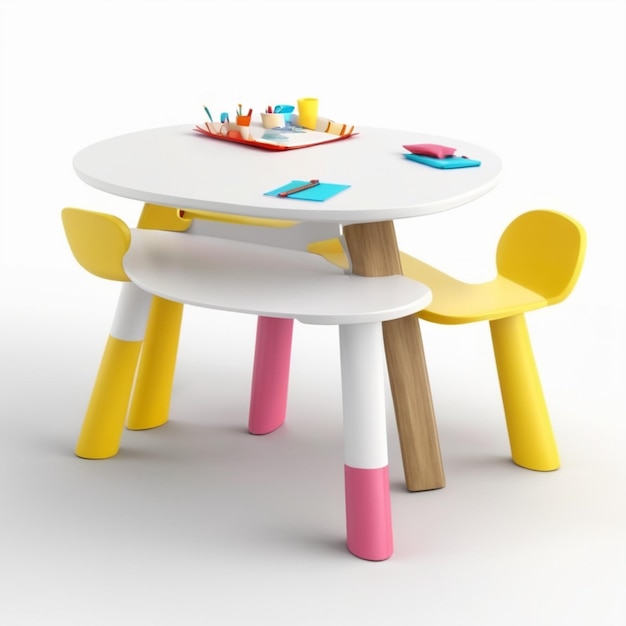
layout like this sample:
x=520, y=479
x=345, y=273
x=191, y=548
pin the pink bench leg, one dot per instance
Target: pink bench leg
x=270, y=377
x=368, y=504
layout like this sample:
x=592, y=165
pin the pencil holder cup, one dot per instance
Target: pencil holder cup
x=272, y=120
x=244, y=120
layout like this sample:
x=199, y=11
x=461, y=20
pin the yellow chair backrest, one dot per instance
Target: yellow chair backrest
x=98, y=241
x=543, y=251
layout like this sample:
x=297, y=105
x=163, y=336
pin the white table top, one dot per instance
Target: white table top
x=176, y=166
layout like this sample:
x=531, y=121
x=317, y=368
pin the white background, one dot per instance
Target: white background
x=198, y=523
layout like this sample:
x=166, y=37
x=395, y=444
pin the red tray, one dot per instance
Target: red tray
x=271, y=146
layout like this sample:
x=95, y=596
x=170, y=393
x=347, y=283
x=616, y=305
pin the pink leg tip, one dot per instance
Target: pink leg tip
x=368, y=513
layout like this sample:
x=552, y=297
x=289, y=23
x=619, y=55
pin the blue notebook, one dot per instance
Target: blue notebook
x=447, y=163
x=319, y=193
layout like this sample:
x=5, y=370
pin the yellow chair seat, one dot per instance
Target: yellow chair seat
x=457, y=302
x=454, y=301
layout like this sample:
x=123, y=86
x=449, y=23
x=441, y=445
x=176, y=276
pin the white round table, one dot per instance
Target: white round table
x=176, y=166
x=179, y=167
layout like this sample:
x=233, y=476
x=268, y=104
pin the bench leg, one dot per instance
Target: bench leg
x=368, y=504
x=150, y=404
x=103, y=424
x=530, y=432
x=270, y=376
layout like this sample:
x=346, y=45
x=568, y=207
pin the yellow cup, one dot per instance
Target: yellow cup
x=307, y=112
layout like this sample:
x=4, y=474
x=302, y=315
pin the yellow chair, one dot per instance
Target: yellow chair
x=140, y=358
x=539, y=258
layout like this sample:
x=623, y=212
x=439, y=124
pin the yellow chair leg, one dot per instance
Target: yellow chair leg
x=528, y=423
x=150, y=403
x=102, y=428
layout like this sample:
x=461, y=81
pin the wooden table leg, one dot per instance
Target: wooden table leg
x=374, y=251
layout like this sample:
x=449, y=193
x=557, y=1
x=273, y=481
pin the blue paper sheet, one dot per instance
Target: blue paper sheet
x=447, y=163
x=319, y=193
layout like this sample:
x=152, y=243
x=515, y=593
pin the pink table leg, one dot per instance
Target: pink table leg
x=270, y=377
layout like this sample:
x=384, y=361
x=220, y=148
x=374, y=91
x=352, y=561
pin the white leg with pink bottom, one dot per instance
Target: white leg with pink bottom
x=368, y=504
